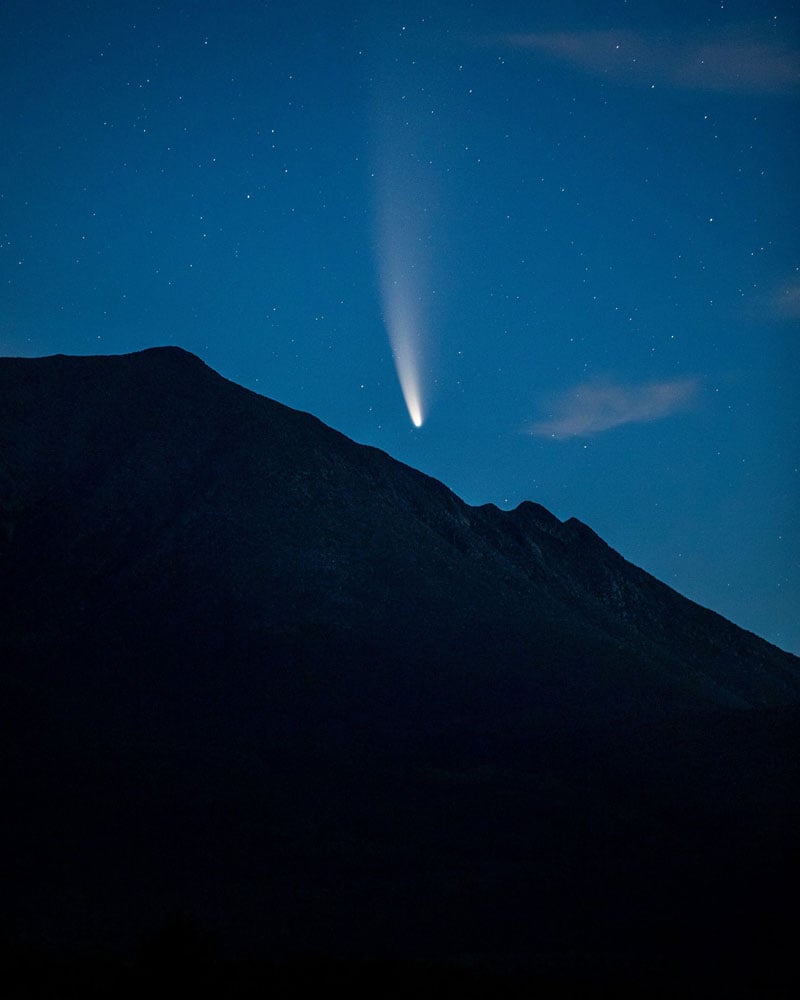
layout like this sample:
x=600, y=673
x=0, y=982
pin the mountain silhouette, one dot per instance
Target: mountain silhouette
x=281, y=687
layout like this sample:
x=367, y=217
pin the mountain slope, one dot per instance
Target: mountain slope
x=263, y=675
x=147, y=481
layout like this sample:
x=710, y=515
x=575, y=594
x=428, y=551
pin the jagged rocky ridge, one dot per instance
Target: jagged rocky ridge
x=390, y=723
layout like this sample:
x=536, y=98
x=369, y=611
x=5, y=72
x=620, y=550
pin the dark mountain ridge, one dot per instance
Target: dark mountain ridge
x=111, y=462
x=394, y=724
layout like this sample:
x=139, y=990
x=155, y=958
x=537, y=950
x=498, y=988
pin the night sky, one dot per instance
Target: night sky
x=565, y=237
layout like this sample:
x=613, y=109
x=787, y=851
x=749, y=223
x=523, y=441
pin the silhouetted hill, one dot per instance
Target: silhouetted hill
x=276, y=682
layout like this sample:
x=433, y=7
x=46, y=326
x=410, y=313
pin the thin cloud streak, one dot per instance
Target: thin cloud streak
x=590, y=408
x=737, y=63
x=786, y=302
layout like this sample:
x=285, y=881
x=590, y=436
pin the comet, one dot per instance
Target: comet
x=403, y=255
x=401, y=317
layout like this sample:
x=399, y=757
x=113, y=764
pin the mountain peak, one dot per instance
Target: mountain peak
x=275, y=519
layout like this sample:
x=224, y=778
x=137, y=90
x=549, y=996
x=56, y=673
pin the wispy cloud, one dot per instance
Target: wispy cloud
x=786, y=301
x=594, y=407
x=739, y=61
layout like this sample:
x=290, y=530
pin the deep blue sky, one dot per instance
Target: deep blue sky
x=581, y=222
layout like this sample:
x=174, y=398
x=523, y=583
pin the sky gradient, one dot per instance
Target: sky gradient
x=565, y=237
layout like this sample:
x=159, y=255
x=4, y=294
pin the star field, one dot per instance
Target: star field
x=589, y=213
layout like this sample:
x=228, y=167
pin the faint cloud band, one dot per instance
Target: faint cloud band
x=590, y=408
x=740, y=61
x=786, y=301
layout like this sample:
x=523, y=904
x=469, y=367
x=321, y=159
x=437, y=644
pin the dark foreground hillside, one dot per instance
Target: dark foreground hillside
x=277, y=708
